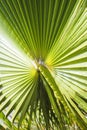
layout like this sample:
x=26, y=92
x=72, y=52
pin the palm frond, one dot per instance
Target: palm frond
x=44, y=79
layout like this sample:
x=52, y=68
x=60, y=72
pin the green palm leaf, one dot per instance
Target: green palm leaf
x=43, y=74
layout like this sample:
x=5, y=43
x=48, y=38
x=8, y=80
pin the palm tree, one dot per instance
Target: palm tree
x=44, y=74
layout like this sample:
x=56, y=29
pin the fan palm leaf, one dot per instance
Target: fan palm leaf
x=44, y=75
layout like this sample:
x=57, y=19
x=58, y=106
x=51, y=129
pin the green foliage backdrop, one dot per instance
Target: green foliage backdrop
x=46, y=84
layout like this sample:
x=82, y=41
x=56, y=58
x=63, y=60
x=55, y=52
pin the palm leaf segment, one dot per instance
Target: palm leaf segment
x=49, y=82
